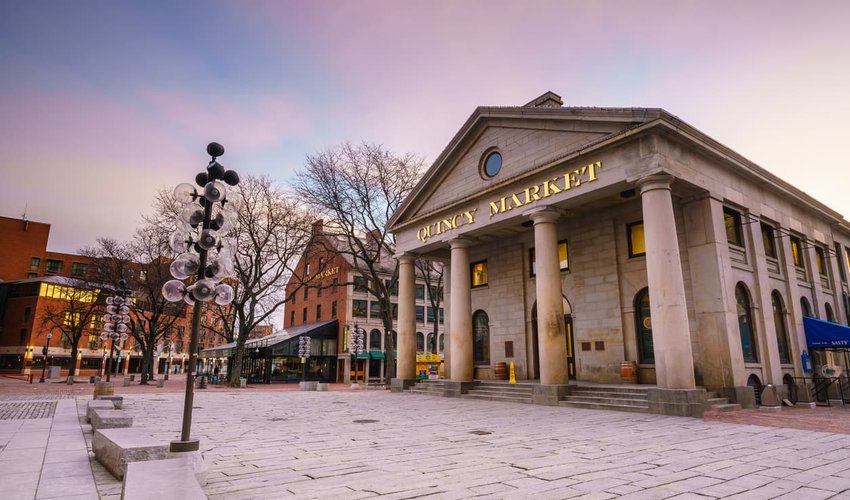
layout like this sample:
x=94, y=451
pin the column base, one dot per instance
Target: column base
x=742, y=394
x=549, y=394
x=401, y=384
x=456, y=388
x=677, y=402
x=181, y=446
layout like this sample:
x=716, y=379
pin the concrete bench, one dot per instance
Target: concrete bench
x=117, y=401
x=115, y=448
x=110, y=418
x=158, y=479
x=307, y=386
x=98, y=405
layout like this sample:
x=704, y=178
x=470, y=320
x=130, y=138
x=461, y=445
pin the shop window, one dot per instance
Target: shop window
x=827, y=309
x=842, y=273
x=797, y=252
x=732, y=221
x=431, y=317
x=479, y=273
x=53, y=266
x=562, y=258
x=306, y=292
x=805, y=308
x=746, y=328
x=442, y=316
x=420, y=292
x=35, y=263
x=291, y=318
x=78, y=269
x=637, y=243
x=643, y=328
x=375, y=339
x=781, y=328
x=481, y=338
x=442, y=343
x=420, y=342
x=768, y=239
x=333, y=310
x=304, y=315
x=491, y=165
x=358, y=308
x=432, y=343
x=420, y=314
x=820, y=260
x=319, y=312
x=360, y=284
x=318, y=290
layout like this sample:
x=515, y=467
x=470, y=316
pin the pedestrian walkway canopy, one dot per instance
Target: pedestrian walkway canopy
x=825, y=334
x=277, y=341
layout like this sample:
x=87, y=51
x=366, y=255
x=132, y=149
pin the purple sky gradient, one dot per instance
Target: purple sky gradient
x=104, y=102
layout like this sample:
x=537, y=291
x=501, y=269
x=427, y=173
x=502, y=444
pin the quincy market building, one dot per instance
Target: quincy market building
x=580, y=238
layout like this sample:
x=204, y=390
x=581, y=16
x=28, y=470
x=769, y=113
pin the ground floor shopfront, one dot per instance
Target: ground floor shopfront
x=577, y=239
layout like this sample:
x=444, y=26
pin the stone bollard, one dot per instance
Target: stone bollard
x=770, y=399
x=160, y=382
x=103, y=389
x=70, y=380
x=127, y=382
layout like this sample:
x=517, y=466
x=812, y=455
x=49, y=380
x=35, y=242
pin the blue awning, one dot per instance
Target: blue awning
x=823, y=334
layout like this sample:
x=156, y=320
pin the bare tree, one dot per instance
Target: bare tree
x=75, y=306
x=356, y=188
x=272, y=231
x=432, y=274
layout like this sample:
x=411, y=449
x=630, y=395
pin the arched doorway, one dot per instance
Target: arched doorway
x=568, y=328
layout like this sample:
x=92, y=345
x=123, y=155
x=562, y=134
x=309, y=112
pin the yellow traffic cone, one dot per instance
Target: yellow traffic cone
x=513, y=374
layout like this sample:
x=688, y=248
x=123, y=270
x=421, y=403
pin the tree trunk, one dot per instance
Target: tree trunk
x=236, y=365
x=389, y=351
x=72, y=366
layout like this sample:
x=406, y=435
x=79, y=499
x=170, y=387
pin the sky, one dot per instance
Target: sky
x=102, y=103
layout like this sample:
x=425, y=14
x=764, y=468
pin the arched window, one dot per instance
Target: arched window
x=781, y=330
x=643, y=328
x=481, y=338
x=375, y=339
x=830, y=316
x=806, y=308
x=420, y=342
x=441, y=343
x=745, y=324
x=432, y=343
x=755, y=383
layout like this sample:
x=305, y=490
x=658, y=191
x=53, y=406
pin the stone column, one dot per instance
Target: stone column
x=674, y=362
x=550, y=306
x=460, y=312
x=406, y=375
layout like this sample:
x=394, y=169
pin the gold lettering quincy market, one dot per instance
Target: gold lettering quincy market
x=441, y=226
x=547, y=188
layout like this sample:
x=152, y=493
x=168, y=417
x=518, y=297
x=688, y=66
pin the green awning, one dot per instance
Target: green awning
x=377, y=355
x=362, y=355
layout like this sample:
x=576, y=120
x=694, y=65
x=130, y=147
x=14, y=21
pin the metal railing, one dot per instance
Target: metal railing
x=823, y=390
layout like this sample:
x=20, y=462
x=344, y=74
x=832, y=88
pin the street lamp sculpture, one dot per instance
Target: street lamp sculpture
x=116, y=320
x=304, y=353
x=358, y=345
x=206, y=252
x=44, y=353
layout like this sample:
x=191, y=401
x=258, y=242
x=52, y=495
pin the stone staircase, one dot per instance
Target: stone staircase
x=632, y=398
x=716, y=403
x=490, y=390
x=430, y=387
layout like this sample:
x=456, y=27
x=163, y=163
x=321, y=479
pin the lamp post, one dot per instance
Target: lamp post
x=200, y=231
x=168, y=365
x=44, y=353
x=115, y=320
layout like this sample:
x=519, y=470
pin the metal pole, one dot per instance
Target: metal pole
x=44, y=363
x=109, y=362
x=185, y=444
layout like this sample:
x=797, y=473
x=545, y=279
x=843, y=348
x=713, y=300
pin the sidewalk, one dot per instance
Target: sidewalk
x=44, y=457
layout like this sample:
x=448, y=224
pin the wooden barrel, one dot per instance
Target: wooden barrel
x=500, y=371
x=103, y=389
x=628, y=372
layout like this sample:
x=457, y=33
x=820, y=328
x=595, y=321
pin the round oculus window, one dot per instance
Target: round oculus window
x=493, y=164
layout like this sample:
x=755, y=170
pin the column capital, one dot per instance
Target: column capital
x=460, y=242
x=652, y=182
x=406, y=258
x=544, y=215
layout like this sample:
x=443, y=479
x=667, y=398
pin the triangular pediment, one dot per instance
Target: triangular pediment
x=528, y=139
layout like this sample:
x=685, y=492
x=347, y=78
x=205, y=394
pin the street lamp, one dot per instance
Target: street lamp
x=198, y=232
x=115, y=320
x=168, y=365
x=44, y=353
x=358, y=344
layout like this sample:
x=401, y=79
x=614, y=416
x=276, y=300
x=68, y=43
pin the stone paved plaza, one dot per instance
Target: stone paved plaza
x=363, y=444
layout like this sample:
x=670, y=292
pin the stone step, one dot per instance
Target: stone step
x=502, y=390
x=607, y=400
x=716, y=401
x=610, y=394
x=726, y=407
x=434, y=392
x=611, y=388
x=504, y=399
x=604, y=406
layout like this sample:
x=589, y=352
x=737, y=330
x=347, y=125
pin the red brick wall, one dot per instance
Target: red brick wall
x=22, y=240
